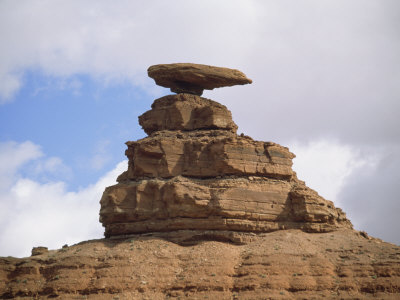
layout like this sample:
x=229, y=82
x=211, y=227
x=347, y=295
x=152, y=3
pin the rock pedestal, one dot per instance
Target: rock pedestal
x=193, y=172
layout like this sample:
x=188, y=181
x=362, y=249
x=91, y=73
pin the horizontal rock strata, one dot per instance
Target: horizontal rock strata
x=186, y=112
x=285, y=264
x=206, y=154
x=193, y=172
x=257, y=204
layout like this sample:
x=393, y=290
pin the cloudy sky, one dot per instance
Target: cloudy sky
x=326, y=83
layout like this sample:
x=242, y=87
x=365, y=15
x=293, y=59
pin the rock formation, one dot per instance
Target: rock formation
x=193, y=172
x=204, y=213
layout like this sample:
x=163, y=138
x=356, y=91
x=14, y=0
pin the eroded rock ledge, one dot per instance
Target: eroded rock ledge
x=186, y=112
x=193, y=172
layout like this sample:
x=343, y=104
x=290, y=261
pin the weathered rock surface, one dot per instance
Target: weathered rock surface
x=193, y=172
x=186, y=112
x=206, y=154
x=285, y=264
x=258, y=204
x=194, y=78
x=39, y=250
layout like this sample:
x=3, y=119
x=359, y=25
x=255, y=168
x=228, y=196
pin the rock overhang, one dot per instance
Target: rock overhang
x=194, y=78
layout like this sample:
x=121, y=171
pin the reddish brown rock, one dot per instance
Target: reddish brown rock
x=194, y=78
x=186, y=112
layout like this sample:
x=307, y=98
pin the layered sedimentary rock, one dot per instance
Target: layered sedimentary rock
x=258, y=204
x=205, y=154
x=186, y=112
x=193, y=172
x=194, y=78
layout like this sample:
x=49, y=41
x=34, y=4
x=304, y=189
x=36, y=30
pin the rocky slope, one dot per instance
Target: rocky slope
x=204, y=213
x=285, y=264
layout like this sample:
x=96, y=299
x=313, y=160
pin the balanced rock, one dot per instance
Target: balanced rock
x=194, y=78
x=193, y=172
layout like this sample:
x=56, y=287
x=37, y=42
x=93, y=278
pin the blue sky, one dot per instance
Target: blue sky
x=77, y=119
x=73, y=80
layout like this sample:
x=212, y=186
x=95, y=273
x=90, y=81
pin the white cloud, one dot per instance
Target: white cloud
x=101, y=156
x=333, y=61
x=47, y=214
x=52, y=166
x=9, y=85
x=325, y=165
x=370, y=196
x=111, y=41
x=337, y=63
x=361, y=181
x=13, y=156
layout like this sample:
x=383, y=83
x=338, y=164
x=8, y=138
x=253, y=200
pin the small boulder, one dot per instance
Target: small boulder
x=39, y=250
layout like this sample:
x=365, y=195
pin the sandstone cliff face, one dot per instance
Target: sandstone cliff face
x=193, y=172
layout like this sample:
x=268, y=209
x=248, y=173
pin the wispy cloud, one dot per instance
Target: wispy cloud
x=325, y=165
x=13, y=155
x=113, y=42
x=34, y=213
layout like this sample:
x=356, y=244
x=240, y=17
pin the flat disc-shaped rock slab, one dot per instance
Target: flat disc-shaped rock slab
x=194, y=78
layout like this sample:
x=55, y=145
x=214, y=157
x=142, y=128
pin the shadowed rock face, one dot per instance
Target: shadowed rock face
x=194, y=78
x=193, y=172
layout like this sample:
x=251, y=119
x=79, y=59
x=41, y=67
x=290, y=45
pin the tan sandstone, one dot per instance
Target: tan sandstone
x=193, y=172
x=186, y=112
